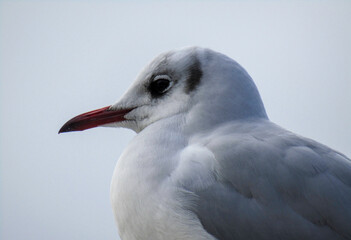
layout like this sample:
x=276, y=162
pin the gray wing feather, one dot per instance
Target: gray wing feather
x=272, y=184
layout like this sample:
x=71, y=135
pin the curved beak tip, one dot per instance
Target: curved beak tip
x=65, y=128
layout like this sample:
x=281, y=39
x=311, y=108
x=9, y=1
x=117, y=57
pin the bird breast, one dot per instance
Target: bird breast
x=147, y=201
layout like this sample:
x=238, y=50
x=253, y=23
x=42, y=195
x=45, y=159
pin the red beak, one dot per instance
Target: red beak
x=94, y=118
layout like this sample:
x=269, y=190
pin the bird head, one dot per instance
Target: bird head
x=197, y=83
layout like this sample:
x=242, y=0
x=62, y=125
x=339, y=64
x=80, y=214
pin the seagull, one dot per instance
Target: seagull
x=207, y=163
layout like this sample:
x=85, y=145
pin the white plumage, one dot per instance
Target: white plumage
x=208, y=164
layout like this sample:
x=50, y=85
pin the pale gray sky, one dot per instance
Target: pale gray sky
x=62, y=58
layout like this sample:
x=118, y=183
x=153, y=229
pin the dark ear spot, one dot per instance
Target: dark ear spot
x=194, y=76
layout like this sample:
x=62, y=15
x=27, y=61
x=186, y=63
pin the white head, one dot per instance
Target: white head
x=198, y=83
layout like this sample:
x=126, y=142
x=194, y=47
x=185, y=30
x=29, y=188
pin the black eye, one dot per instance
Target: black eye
x=159, y=86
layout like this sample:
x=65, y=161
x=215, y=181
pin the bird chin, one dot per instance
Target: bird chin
x=129, y=124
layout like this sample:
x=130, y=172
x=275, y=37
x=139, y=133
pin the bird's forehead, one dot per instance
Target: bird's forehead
x=173, y=61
